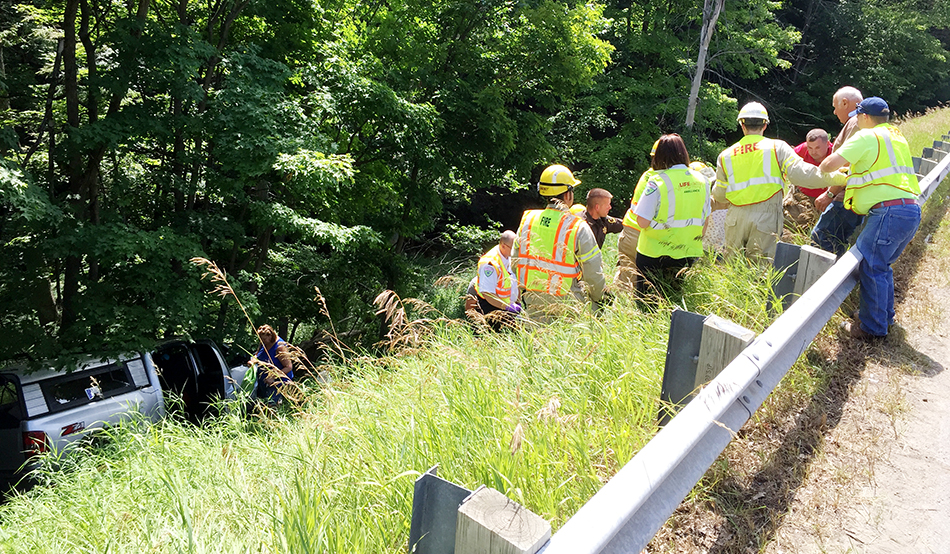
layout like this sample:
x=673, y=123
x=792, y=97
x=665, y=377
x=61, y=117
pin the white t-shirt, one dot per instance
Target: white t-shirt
x=488, y=279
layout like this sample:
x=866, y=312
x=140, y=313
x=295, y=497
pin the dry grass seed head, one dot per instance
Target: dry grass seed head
x=517, y=437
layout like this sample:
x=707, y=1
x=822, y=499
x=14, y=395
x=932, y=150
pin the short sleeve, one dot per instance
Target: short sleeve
x=647, y=205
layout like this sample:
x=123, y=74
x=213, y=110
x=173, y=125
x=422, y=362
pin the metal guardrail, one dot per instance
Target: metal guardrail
x=628, y=511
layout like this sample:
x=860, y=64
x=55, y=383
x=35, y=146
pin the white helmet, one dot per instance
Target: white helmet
x=753, y=110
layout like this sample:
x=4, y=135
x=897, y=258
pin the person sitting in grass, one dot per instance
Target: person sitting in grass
x=274, y=366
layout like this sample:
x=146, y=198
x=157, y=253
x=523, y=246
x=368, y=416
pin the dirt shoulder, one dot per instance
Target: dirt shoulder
x=882, y=480
x=861, y=467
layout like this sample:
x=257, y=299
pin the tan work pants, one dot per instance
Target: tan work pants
x=545, y=308
x=627, y=272
x=755, y=228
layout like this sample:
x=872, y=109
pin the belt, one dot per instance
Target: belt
x=895, y=202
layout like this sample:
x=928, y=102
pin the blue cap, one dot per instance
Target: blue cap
x=873, y=106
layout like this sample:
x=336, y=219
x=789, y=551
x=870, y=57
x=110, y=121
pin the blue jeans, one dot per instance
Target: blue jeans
x=834, y=228
x=886, y=234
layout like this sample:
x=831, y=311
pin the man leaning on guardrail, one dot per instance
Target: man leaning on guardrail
x=883, y=185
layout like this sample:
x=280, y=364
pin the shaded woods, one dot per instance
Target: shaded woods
x=341, y=146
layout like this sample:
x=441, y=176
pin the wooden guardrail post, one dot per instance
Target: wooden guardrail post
x=722, y=341
x=812, y=264
x=699, y=347
x=491, y=523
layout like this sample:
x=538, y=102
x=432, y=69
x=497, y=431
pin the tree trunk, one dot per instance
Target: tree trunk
x=711, y=10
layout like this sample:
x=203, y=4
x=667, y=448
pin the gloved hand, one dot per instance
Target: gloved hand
x=514, y=308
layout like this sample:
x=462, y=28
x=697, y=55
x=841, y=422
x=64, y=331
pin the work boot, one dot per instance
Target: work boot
x=854, y=330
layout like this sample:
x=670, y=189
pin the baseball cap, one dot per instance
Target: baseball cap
x=873, y=106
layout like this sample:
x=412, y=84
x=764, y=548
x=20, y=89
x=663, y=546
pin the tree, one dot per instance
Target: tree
x=711, y=10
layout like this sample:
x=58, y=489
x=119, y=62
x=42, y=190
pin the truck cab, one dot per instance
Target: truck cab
x=48, y=409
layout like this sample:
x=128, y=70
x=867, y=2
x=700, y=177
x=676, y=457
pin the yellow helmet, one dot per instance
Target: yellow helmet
x=578, y=209
x=753, y=110
x=556, y=180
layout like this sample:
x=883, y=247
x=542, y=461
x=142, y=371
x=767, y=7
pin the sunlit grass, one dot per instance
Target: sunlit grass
x=544, y=414
x=921, y=130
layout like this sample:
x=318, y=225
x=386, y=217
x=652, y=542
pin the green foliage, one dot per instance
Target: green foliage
x=26, y=201
x=643, y=92
x=338, y=146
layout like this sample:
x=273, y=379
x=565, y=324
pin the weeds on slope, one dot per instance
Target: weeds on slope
x=544, y=414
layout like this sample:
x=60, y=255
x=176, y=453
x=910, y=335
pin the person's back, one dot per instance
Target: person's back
x=751, y=176
x=546, y=260
x=672, y=213
x=886, y=172
x=555, y=251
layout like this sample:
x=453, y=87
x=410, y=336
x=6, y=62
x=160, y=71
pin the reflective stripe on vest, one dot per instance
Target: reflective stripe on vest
x=670, y=221
x=630, y=218
x=896, y=170
x=678, y=231
x=757, y=163
x=503, y=285
x=546, y=261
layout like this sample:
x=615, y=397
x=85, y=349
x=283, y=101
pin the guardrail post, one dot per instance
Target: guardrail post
x=940, y=149
x=435, y=504
x=722, y=341
x=697, y=350
x=812, y=264
x=802, y=266
x=682, y=359
x=786, y=261
x=491, y=523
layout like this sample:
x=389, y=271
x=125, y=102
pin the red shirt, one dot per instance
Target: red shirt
x=802, y=150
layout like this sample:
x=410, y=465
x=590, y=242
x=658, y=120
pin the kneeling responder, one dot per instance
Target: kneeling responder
x=491, y=292
x=555, y=251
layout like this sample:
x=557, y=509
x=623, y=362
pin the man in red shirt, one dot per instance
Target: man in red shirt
x=816, y=148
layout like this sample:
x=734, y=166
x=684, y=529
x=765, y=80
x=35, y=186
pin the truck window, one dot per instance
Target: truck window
x=10, y=411
x=82, y=387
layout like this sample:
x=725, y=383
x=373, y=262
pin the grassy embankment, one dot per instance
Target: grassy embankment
x=546, y=415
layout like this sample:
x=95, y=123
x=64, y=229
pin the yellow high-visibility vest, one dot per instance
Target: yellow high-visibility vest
x=546, y=261
x=629, y=218
x=893, y=168
x=503, y=285
x=752, y=171
x=682, y=208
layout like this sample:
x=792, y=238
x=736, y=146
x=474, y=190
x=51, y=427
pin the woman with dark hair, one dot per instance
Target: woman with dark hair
x=672, y=210
x=275, y=368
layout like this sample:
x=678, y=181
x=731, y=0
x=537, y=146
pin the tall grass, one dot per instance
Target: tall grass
x=921, y=130
x=544, y=414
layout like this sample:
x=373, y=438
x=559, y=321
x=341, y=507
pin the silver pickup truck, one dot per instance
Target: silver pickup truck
x=47, y=410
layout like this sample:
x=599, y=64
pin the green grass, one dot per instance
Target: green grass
x=921, y=130
x=546, y=415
